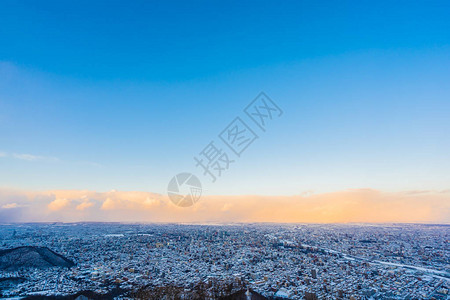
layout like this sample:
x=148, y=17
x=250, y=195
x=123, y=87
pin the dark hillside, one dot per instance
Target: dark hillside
x=31, y=257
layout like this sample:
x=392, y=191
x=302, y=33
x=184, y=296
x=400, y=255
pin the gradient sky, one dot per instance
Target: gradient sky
x=122, y=95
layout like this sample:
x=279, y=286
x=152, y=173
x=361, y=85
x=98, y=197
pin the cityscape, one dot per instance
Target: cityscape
x=273, y=261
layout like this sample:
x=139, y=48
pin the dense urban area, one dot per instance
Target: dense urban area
x=210, y=261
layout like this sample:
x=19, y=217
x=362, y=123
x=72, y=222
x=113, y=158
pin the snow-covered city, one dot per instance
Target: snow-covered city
x=215, y=261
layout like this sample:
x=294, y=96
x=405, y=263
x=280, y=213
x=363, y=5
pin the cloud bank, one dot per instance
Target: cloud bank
x=359, y=205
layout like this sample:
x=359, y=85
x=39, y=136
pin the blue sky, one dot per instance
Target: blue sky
x=119, y=95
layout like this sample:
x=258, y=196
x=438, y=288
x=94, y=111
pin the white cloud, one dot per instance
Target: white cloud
x=49, y=159
x=31, y=157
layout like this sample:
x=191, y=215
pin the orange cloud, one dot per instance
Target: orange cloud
x=84, y=205
x=360, y=205
x=58, y=204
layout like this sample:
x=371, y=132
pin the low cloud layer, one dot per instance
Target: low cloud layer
x=361, y=205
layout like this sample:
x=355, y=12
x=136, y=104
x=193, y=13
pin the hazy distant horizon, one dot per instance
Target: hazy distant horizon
x=220, y=224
